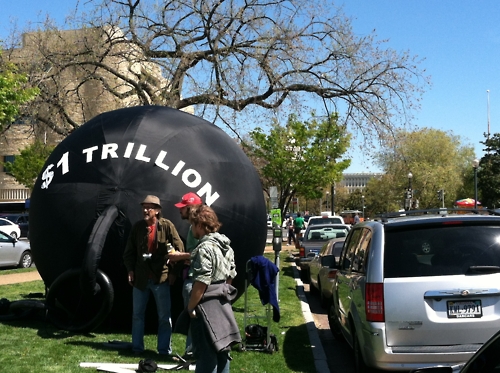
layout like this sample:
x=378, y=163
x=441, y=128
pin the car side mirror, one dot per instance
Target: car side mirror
x=328, y=261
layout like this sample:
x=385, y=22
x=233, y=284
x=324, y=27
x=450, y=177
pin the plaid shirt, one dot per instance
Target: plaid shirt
x=213, y=259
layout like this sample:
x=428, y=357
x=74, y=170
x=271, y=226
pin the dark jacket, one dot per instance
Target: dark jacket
x=137, y=245
x=264, y=280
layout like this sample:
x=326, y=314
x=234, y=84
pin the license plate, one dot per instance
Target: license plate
x=464, y=309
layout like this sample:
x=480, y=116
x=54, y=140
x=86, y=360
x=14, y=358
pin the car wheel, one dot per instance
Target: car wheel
x=334, y=324
x=359, y=363
x=26, y=260
x=14, y=235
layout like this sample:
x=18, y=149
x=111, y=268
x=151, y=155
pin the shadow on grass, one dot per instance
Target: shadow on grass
x=295, y=347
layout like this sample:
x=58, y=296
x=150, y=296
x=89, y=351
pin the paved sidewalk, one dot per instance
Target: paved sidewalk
x=320, y=359
x=15, y=278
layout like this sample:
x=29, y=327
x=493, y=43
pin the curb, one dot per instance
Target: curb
x=319, y=355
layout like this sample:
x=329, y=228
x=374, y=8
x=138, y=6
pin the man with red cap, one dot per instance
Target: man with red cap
x=189, y=201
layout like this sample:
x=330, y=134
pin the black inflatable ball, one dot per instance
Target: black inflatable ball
x=88, y=196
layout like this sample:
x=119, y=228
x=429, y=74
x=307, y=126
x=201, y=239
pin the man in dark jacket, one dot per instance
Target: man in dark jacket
x=146, y=260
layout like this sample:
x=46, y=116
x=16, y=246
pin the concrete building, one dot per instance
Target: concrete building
x=357, y=180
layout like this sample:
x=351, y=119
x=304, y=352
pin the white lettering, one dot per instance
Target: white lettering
x=140, y=154
x=64, y=162
x=210, y=198
x=47, y=176
x=187, y=174
x=109, y=150
x=128, y=151
x=178, y=168
x=159, y=160
x=190, y=177
x=89, y=152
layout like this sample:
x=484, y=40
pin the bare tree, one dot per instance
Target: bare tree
x=224, y=59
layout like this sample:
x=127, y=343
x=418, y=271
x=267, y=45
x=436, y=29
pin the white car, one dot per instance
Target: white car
x=10, y=228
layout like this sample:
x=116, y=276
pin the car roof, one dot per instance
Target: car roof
x=435, y=216
x=6, y=220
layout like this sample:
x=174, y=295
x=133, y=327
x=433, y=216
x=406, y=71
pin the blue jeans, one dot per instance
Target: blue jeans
x=161, y=293
x=187, y=286
x=207, y=359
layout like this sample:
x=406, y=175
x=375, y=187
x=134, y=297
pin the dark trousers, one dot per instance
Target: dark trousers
x=291, y=236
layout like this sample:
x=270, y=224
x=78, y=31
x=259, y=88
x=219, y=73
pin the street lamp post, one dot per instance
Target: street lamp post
x=475, y=165
x=409, y=192
x=363, y=201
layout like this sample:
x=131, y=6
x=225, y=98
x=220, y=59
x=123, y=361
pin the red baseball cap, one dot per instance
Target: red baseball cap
x=189, y=199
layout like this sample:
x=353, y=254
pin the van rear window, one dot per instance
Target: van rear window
x=442, y=250
x=325, y=221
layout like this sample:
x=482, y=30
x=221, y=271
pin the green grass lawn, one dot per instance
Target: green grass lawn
x=35, y=345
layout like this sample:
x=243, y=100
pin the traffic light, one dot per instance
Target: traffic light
x=440, y=194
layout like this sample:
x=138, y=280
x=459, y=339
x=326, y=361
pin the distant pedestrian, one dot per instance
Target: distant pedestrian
x=298, y=225
x=356, y=218
x=291, y=234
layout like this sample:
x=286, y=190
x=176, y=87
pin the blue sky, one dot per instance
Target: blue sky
x=459, y=40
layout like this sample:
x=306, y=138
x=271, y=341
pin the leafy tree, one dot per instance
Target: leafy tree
x=436, y=159
x=13, y=93
x=381, y=196
x=488, y=174
x=29, y=163
x=300, y=157
x=226, y=59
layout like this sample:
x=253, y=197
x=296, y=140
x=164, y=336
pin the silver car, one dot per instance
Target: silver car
x=416, y=292
x=14, y=253
x=323, y=269
x=313, y=240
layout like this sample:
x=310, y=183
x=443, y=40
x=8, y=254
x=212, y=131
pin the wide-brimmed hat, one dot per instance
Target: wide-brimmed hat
x=152, y=199
x=189, y=199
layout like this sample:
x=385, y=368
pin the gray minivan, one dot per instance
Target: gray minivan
x=418, y=291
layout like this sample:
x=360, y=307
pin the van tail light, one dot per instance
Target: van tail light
x=302, y=252
x=374, y=302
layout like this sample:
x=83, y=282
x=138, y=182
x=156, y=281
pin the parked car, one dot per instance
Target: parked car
x=10, y=228
x=20, y=219
x=313, y=240
x=14, y=253
x=418, y=291
x=323, y=269
x=323, y=219
x=485, y=360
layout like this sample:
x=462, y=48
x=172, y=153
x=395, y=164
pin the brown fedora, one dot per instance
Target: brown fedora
x=152, y=199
